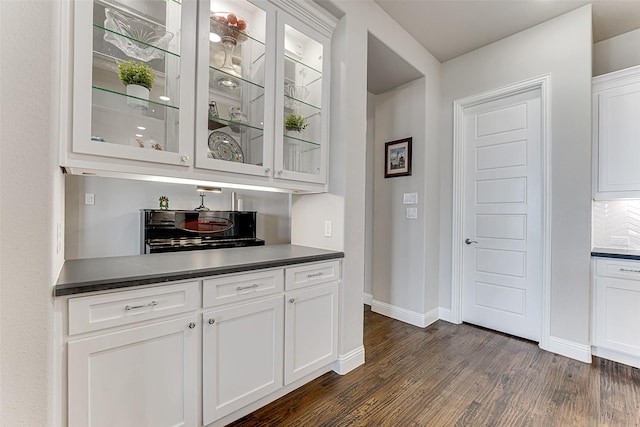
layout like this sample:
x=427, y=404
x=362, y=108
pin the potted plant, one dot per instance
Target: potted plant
x=295, y=122
x=138, y=78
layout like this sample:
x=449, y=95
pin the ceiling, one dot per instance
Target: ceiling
x=450, y=28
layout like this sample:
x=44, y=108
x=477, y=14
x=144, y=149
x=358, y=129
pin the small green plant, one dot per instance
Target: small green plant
x=295, y=122
x=136, y=73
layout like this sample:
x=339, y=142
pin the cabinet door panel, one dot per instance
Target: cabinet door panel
x=311, y=330
x=618, y=315
x=109, y=119
x=302, y=85
x=234, y=120
x=242, y=355
x=139, y=377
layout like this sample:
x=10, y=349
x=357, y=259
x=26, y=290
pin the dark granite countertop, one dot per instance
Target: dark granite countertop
x=615, y=253
x=99, y=274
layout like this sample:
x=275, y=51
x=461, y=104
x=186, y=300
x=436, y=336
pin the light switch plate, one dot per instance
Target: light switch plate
x=89, y=199
x=410, y=199
x=327, y=228
x=412, y=213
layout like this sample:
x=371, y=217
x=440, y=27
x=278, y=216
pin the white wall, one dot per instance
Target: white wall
x=368, y=235
x=616, y=53
x=561, y=47
x=111, y=227
x=398, y=242
x=32, y=191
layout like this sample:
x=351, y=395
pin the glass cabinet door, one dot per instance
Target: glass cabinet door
x=234, y=119
x=133, y=79
x=303, y=83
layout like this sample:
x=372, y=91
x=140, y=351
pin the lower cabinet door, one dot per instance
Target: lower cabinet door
x=143, y=376
x=617, y=315
x=242, y=355
x=311, y=330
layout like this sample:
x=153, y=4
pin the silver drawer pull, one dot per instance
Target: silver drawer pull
x=242, y=288
x=629, y=271
x=133, y=307
x=311, y=276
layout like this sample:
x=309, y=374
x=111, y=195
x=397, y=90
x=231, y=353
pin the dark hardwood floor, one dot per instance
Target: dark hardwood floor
x=459, y=375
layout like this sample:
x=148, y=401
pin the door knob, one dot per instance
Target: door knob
x=469, y=241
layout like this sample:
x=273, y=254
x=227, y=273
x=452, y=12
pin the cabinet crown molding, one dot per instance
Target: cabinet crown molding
x=309, y=13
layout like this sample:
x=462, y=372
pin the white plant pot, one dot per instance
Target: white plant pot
x=141, y=94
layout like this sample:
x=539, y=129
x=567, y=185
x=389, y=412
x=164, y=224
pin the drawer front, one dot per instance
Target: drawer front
x=124, y=307
x=240, y=287
x=618, y=268
x=312, y=274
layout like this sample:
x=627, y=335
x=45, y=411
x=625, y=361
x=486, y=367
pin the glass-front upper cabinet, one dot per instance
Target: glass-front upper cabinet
x=302, y=134
x=134, y=79
x=236, y=71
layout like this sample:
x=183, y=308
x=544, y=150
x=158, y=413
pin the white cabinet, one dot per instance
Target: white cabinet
x=617, y=310
x=135, y=375
x=311, y=321
x=616, y=134
x=253, y=84
x=238, y=74
x=242, y=355
x=108, y=120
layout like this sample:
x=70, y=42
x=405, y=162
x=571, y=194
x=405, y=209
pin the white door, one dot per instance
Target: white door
x=502, y=259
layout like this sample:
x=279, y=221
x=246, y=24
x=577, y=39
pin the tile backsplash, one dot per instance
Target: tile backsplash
x=616, y=224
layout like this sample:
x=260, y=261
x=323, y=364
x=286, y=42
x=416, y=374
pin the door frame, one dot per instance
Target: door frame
x=543, y=83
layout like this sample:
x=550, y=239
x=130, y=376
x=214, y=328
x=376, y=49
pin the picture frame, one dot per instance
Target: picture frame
x=397, y=158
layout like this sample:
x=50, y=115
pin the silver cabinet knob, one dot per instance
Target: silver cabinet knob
x=292, y=300
x=212, y=321
x=267, y=170
x=192, y=325
x=279, y=172
x=184, y=158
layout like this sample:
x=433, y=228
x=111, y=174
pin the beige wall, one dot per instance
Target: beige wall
x=616, y=53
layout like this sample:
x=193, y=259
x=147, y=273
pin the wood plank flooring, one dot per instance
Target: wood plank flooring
x=459, y=375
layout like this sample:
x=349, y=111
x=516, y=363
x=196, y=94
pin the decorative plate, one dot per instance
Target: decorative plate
x=223, y=147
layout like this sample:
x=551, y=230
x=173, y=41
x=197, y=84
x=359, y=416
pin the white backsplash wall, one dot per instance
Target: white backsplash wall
x=111, y=226
x=616, y=224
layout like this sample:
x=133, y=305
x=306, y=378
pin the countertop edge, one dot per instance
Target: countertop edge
x=139, y=280
x=599, y=254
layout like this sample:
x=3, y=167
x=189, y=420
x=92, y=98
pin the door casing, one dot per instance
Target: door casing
x=543, y=83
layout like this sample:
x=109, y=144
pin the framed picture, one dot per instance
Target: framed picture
x=397, y=158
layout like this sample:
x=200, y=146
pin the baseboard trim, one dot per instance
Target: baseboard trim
x=367, y=299
x=445, y=314
x=421, y=320
x=349, y=361
x=616, y=356
x=569, y=349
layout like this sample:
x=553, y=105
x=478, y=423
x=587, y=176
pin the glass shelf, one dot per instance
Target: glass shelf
x=107, y=30
x=218, y=122
x=290, y=139
x=115, y=121
x=212, y=82
x=309, y=67
x=123, y=94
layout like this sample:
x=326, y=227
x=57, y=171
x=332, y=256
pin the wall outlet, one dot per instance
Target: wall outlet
x=410, y=198
x=327, y=228
x=620, y=241
x=89, y=199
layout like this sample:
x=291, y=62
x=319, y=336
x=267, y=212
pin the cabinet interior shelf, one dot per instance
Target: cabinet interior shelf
x=217, y=123
x=160, y=104
x=292, y=140
x=299, y=102
x=106, y=30
x=235, y=76
x=290, y=58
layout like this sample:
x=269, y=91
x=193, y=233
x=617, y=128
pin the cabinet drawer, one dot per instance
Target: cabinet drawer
x=124, y=307
x=312, y=274
x=618, y=268
x=240, y=287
